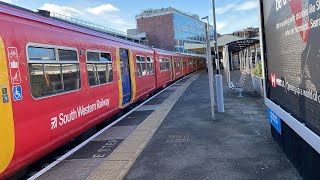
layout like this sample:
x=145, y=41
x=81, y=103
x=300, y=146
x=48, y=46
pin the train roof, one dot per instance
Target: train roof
x=35, y=16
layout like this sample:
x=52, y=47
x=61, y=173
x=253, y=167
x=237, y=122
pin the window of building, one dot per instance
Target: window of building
x=150, y=64
x=53, y=70
x=99, y=68
x=141, y=66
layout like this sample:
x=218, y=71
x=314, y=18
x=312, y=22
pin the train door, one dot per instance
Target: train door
x=125, y=75
x=181, y=66
x=172, y=68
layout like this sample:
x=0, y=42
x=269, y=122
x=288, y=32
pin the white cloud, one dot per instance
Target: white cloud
x=110, y=20
x=65, y=10
x=220, y=26
x=248, y=5
x=104, y=8
x=7, y=1
x=231, y=23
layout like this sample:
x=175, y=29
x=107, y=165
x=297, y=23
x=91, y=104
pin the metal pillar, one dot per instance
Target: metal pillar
x=220, y=99
x=210, y=68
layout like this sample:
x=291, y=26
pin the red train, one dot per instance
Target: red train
x=58, y=80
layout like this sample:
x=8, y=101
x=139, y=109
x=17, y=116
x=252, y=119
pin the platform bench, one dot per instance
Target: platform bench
x=239, y=85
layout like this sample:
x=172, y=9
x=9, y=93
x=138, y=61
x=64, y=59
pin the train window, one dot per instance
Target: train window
x=184, y=63
x=150, y=64
x=49, y=76
x=167, y=64
x=141, y=66
x=93, y=56
x=67, y=55
x=138, y=62
x=162, y=64
x=99, y=67
x=176, y=63
x=41, y=54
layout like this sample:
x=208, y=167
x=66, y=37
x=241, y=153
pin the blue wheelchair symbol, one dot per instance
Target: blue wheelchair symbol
x=17, y=93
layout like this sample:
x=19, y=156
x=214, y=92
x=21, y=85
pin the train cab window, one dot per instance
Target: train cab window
x=141, y=66
x=150, y=63
x=99, y=67
x=52, y=70
x=176, y=63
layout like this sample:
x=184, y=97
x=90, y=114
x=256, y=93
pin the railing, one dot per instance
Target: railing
x=94, y=26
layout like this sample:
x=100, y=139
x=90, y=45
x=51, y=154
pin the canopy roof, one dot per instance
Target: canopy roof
x=236, y=46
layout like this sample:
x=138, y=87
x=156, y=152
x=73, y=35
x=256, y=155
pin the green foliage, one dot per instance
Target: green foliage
x=257, y=71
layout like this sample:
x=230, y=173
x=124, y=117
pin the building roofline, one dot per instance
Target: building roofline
x=164, y=11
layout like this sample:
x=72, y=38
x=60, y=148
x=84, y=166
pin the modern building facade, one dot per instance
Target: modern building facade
x=170, y=29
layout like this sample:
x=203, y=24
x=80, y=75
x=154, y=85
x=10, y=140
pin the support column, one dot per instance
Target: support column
x=250, y=59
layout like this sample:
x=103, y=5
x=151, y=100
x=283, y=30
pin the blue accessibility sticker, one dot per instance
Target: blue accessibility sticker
x=275, y=120
x=17, y=93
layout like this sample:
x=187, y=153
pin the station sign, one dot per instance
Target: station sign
x=274, y=120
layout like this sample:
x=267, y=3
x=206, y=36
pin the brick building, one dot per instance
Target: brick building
x=170, y=29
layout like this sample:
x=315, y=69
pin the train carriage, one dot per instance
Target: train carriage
x=145, y=77
x=63, y=81
x=163, y=67
x=58, y=80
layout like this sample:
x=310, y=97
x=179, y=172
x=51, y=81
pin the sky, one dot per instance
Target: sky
x=232, y=15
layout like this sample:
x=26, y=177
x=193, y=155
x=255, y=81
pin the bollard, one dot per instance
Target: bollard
x=219, y=89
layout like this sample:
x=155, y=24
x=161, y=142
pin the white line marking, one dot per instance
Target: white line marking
x=50, y=166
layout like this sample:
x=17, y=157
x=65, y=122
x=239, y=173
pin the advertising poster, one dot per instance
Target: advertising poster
x=292, y=46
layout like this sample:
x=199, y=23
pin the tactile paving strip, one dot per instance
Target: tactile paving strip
x=122, y=158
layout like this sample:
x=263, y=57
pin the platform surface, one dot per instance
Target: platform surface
x=237, y=145
x=173, y=137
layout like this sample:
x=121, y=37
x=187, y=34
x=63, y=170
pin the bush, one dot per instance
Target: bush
x=257, y=71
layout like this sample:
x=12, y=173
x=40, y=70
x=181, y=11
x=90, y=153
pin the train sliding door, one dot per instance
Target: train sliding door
x=125, y=76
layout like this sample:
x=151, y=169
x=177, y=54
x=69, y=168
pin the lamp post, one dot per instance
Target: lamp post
x=210, y=68
x=219, y=87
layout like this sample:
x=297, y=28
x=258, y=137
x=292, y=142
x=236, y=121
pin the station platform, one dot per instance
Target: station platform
x=172, y=136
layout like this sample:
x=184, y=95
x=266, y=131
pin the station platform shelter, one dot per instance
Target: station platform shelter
x=172, y=136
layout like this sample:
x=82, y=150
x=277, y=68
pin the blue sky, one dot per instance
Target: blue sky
x=232, y=15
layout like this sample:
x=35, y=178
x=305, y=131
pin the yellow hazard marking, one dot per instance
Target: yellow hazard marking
x=132, y=76
x=118, y=64
x=7, y=136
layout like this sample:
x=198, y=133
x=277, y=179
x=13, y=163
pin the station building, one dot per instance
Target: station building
x=169, y=29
